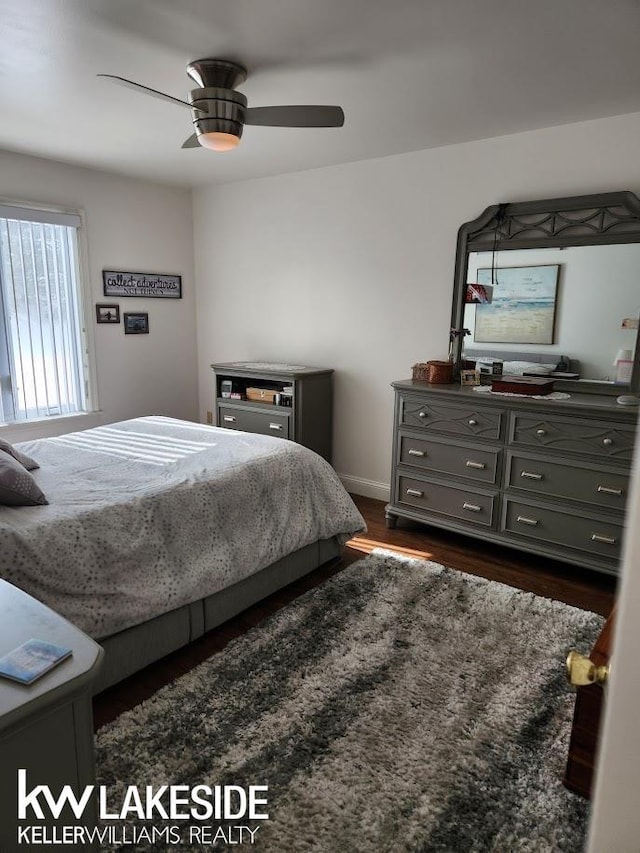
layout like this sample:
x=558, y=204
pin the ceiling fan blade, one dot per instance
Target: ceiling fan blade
x=295, y=116
x=122, y=81
x=191, y=142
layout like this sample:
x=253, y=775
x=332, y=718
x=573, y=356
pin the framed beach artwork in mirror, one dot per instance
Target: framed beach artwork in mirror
x=523, y=307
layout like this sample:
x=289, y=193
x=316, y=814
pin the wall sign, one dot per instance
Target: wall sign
x=117, y=283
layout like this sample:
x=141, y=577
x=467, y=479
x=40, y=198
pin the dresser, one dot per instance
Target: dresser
x=289, y=401
x=542, y=475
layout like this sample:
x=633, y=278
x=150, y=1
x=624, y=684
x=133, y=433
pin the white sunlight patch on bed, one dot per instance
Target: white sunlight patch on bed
x=131, y=444
x=161, y=419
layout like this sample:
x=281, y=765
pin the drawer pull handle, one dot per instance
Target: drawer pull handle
x=422, y=414
x=229, y=419
x=524, y=519
x=607, y=442
x=541, y=432
x=606, y=540
x=471, y=464
x=471, y=507
x=472, y=422
x=607, y=490
x=414, y=452
x=415, y=493
x=530, y=475
x=275, y=426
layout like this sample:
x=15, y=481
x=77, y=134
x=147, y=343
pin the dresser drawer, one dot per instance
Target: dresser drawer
x=599, y=439
x=250, y=420
x=432, y=416
x=474, y=507
x=444, y=457
x=590, y=484
x=595, y=536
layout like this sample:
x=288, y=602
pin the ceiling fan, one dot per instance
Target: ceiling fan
x=219, y=113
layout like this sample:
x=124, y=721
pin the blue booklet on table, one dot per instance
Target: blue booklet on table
x=28, y=662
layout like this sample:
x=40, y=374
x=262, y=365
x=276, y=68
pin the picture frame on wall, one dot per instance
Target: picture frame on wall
x=523, y=306
x=107, y=313
x=136, y=323
x=118, y=283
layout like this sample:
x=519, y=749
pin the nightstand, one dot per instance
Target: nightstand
x=286, y=400
x=46, y=728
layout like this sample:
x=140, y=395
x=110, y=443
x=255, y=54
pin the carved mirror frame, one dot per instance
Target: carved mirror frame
x=585, y=220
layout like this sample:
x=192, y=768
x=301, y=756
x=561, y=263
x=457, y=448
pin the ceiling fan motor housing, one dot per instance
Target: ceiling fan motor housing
x=225, y=110
x=220, y=73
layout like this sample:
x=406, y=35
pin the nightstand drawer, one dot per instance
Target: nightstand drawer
x=589, y=484
x=601, y=538
x=593, y=438
x=250, y=420
x=435, y=417
x=443, y=457
x=474, y=507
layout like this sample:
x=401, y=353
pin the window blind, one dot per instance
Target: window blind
x=41, y=354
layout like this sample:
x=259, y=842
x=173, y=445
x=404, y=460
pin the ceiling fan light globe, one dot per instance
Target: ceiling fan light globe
x=217, y=141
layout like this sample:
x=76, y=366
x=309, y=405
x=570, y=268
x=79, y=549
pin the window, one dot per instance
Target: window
x=43, y=370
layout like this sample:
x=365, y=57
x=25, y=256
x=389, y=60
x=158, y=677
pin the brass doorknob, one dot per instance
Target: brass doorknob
x=582, y=671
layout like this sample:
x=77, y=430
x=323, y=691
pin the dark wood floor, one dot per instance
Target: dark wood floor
x=581, y=588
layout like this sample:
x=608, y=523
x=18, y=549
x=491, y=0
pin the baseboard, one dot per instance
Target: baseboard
x=367, y=488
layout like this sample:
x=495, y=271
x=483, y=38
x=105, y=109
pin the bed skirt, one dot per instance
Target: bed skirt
x=131, y=650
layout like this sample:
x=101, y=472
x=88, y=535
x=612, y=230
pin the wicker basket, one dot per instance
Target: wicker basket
x=435, y=372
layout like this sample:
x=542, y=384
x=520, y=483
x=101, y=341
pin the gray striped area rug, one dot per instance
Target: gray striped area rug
x=400, y=706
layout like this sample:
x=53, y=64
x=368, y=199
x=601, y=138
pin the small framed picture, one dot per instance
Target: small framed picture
x=136, y=324
x=107, y=313
x=469, y=377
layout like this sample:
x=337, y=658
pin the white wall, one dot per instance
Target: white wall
x=351, y=267
x=131, y=225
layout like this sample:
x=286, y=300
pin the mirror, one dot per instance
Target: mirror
x=566, y=275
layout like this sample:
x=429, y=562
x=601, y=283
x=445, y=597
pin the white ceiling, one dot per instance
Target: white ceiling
x=410, y=74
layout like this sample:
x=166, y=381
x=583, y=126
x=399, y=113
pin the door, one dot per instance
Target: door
x=615, y=816
x=588, y=713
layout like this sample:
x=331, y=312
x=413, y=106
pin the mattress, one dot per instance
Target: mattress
x=149, y=514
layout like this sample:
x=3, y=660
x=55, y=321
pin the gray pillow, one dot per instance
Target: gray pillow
x=22, y=458
x=17, y=486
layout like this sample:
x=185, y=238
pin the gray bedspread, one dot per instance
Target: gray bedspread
x=152, y=513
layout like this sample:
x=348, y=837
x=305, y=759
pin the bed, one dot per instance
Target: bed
x=157, y=530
